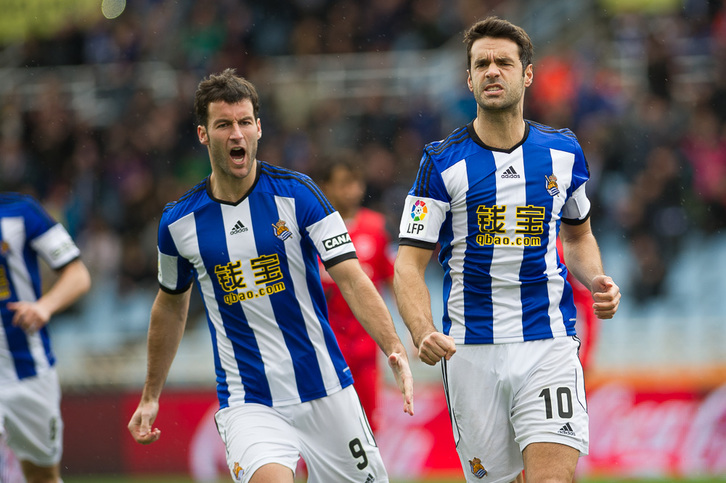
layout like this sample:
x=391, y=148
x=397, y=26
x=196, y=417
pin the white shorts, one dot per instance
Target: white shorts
x=331, y=433
x=502, y=397
x=31, y=420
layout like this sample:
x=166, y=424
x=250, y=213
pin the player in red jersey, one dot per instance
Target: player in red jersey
x=343, y=183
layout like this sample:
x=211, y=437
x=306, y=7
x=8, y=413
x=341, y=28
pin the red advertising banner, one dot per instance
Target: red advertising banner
x=634, y=431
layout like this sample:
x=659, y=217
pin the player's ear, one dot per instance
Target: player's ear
x=202, y=134
x=468, y=80
x=259, y=128
x=528, y=76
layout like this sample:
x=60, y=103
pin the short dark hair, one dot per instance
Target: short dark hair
x=227, y=87
x=340, y=159
x=498, y=28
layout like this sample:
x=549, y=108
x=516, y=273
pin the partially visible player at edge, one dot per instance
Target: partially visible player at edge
x=251, y=234
x=30, y=416
x=343, y=183
x=494, y=194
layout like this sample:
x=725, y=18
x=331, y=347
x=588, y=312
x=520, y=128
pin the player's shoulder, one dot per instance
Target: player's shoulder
x=541, y=133
x=20, y=204
x=284, y=179
x=451, y=145
x=186, y=202
x=287, y=182
x=8, y=198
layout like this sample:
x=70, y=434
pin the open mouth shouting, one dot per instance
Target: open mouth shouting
x=238, y=154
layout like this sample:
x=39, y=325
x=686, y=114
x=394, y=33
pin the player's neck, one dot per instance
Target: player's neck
x=500, y=130
x=229, y=189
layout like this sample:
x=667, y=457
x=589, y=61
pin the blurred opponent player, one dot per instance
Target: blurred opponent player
x=343, y=183
x=30, y=414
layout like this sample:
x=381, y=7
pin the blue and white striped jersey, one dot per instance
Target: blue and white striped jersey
x=27, y=233
x=256, y=267
x=496, y=215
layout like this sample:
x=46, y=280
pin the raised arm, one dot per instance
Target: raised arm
x=414, y=305
x=166, y=328
x=369, y=308
x=72, y=283
x=582, y=257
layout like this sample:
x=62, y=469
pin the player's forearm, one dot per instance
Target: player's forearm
x=369, y=308
x=583, y=259
x=414, y=302
x=166, y=329
x=73, y=282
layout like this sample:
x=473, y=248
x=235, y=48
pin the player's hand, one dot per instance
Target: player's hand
x=436, y=346
x=606, y=295
x=29, y=316
x=404, y=379
x=141, y=421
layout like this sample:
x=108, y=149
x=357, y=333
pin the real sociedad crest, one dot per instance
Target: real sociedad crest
x=281, y=231
x=238, y=471
x=552, y=188
x=477, y=468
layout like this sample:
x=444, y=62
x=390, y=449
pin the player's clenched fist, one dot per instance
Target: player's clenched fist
x=606, y=295
x=436, y=346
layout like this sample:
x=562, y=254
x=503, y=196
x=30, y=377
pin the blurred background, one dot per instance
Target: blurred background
x=96, y=121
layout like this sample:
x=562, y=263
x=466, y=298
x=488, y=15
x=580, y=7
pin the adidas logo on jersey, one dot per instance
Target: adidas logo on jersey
x=567, y=429
x=510, y=173
x=238, y=228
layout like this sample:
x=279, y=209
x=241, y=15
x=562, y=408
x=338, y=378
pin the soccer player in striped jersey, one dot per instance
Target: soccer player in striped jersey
x=30, y=414
x=494, y=195
x=250, y=234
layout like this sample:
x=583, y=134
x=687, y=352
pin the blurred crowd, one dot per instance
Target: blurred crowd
x=645, y=94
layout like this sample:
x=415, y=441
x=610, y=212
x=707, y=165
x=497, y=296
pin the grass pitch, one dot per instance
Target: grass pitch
x=187, y=479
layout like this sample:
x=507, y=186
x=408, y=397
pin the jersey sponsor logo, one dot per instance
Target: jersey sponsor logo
x=510, y=173
x=233, y=298
x=492, y=227
x=4, y=284
x=336, y=241
x=551, y=183
x=477, y=469
x=419, y=210
x=238, y=228
x=567, y=429
x=281, y=230
x=265, y=271
x=517, y=241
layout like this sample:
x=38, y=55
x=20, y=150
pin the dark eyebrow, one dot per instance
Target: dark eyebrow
x=501, y=58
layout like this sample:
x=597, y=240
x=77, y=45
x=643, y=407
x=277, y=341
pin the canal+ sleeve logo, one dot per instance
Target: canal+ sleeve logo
x=336, y=241
x=418, y=214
